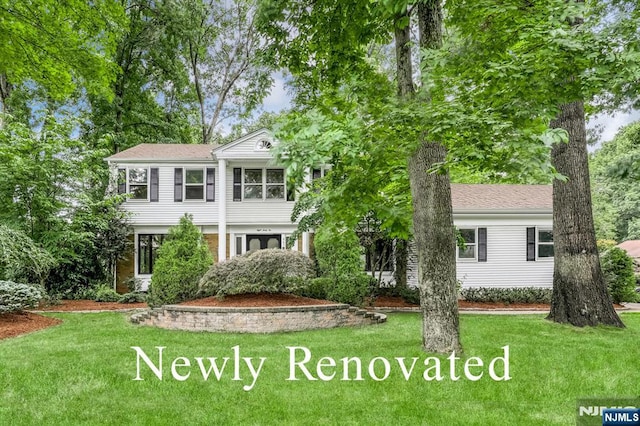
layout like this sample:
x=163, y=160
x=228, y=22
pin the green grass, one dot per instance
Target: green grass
x=81, y=372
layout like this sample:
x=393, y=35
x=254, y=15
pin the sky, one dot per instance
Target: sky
x=609, y=124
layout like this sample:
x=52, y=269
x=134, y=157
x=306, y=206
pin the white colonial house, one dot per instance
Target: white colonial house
x=238, y=197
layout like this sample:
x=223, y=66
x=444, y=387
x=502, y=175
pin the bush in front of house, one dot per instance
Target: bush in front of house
x=617, y=268
x=507, y=295
x=132, y=297
x=182, y=260
x=16, y=297
x=261, y=271
x=104, y=293
x=339, y=256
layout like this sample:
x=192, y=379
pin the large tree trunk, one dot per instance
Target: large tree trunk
x=432, y=213
x=580, y=295
x=435, y=242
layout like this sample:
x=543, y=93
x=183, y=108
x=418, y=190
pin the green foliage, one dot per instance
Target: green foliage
x=16, y=297
x=60, y=45
x=339, y=256
x=338, y=253
x=604, y=245
x=105, y=293
x=410, y=295
x=182, y=260
x=507, y=295
x=316, y=288
x=21, y=259
x=617, y=268
x=261, y=271
x=615, y=189
x=133, y=297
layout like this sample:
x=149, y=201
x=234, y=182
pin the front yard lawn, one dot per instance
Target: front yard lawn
x=82, y=371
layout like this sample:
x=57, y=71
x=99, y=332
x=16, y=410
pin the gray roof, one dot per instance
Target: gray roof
x=501, y=197
x=165, y=151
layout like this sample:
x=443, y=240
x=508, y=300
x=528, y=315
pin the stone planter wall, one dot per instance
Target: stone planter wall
x=256, y=320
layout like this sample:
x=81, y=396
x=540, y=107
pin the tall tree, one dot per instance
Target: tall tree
x=60, y=46
x=151, y=98
x=223, y=52
x=432, y=211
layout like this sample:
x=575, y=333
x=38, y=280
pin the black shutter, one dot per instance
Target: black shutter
x=482, y=244
x=531, y=244
x=291, y=193
x=177, y=184
x=153, y=192
x=211, y=181
x=237, y=184
x=122, y=181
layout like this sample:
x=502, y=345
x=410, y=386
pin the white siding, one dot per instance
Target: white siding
x=166, y=211
x=506, y=264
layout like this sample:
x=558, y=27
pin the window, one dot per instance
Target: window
x=540, y=243
x=194, y=184
x=545, y=243
x=379, y=257
x=275, y=183
x=148, y=245
x=470, y=244
x=263, y=145
x=253, y=184
x=138, y=184
x=260, y=184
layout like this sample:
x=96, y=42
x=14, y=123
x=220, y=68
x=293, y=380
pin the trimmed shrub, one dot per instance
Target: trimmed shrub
x=106, y=294
x=15, y=297
x=617, y=268
x=351, y=289
x=604, y=245
x=182, y=260
x=261, y=271
x=316, y=288
x=411, y=295
x=507, y=295
x=133, y=297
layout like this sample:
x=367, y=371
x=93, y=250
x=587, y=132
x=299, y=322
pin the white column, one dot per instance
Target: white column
x=222, y=210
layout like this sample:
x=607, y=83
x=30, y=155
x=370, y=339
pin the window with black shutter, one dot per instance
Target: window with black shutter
x=482, y=244
x=153, y=190
x=211, y=181
x=122, y=181
x=531, y=244
x=177, y=184
x=237, y=184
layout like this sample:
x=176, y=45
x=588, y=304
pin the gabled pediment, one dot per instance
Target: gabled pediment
x=255, y=145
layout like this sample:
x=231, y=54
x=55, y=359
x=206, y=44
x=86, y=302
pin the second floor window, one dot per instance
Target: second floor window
x=138, y=183
x=261, y=184
x=194, y=184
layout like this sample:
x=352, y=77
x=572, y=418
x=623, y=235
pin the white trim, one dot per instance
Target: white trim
x=538, y=243
x=222, y=210
x=128, y=188
x=475, y=245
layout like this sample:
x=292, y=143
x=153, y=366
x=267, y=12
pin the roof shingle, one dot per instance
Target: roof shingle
x=501, y=197
x=166, y=151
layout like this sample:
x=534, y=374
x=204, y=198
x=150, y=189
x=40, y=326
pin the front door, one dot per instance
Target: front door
x=259, y=242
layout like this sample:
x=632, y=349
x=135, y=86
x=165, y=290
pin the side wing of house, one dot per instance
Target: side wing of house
x=501, y=251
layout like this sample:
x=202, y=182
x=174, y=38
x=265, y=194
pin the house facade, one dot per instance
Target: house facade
x=239, y=199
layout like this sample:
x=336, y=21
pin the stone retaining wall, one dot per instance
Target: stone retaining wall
x=256, y=320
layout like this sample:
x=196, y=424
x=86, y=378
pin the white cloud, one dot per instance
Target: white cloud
x=611, y=123
x=278, y=99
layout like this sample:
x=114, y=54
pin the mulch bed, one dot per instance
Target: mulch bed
x=257, y=300
x=14, y=324
x=90, y=305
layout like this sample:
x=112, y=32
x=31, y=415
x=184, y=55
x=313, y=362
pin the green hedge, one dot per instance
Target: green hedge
x=507, y=295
